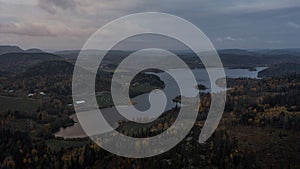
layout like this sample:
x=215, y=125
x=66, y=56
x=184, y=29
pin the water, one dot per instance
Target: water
x=171, y=91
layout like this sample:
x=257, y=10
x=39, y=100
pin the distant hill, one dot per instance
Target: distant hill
x=12, y=56
x=10, y=49
x=240, y=58
x=68, y=54
x=234, y=58
x=73, y=54
x=253, y=58
x=280, y=70
x=53, y=67
x=21, y=61
x=16, y=49
x=236, y=52
x=48, y=68
x=34, y=50
x=291, y=51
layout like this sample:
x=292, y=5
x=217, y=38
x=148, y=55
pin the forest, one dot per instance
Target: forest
x=252, y=104
x=259, y=128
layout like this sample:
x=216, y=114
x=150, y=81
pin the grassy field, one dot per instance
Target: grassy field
x=19, y=104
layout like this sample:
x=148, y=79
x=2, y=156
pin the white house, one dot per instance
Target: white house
x=80, y=102
x=30, y=94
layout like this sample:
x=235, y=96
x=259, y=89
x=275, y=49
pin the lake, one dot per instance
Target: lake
x=171, y=91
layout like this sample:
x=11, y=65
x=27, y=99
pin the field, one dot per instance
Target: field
x=19, y=104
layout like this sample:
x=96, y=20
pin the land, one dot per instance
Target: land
x=18, y=104
x=269, y=145
x=259, y=128
x=280, y=70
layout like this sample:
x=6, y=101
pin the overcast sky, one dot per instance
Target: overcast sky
x=66, y=24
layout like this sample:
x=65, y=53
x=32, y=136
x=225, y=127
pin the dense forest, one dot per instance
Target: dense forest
x=259, y=129
x=254, y=103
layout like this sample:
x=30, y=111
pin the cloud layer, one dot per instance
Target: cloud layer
x=294, y=25
x=60, y=24
x=52, y=5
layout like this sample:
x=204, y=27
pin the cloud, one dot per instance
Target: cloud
x=228, y=38
x=72, y=21
x=51, y=6
x=90, y=7
x=294, y=25
x=46, y=30
x=254, y=6
x=18, y=2
x=27, y=29
x=274, y=41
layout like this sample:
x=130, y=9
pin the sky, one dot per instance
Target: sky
x=67, y=24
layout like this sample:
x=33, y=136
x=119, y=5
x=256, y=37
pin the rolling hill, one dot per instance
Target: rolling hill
x=10, y=49
x=48, y=68
x=280, y=70
x=16, y=62
x=16, y=49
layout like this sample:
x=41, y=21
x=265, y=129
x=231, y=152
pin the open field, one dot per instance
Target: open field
x=19, y=104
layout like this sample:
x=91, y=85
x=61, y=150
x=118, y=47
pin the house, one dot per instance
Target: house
x=30, y=94
x=80, y=102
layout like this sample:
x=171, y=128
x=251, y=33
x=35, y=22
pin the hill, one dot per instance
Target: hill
x=291, y=51
x=34, y=50
x=16, y=49
x=49, y=68
x=10, y=49
x=239, y=58
x=233, y=58
x=280, y=70
x=236, y=52
x=236, y=58
x=20, y=61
